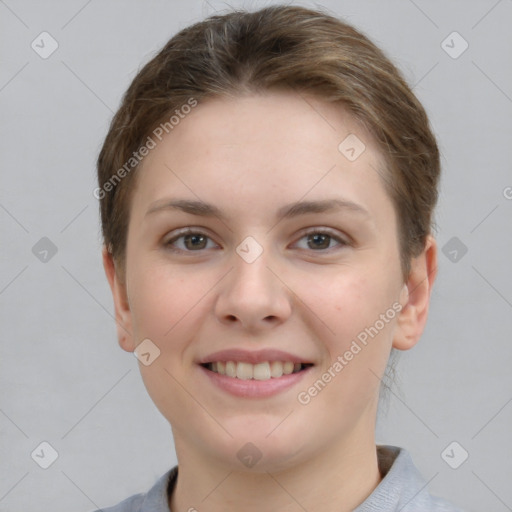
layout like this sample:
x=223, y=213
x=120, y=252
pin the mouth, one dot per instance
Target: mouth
x=262, y=371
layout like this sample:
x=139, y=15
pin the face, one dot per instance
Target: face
x=255, y=240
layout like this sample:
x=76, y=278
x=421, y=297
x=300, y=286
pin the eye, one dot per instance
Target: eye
x=192, y=241
x=320, y=240
x=189, y=240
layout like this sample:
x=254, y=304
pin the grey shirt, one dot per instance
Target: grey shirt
x=402, y=488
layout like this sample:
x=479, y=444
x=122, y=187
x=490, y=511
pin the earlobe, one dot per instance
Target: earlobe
x=121, y=304
x=415, y=297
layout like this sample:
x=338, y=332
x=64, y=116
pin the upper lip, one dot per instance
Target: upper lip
x=253, y=357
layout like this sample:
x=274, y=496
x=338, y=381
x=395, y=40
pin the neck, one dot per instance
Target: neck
x=337, y=480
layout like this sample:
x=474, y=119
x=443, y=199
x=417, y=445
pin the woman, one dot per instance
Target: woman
x=266, y=191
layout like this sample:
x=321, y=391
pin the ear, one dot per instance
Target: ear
x=122, y=307
x=415, y=297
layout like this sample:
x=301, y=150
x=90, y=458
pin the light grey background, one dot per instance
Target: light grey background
x=64, y=380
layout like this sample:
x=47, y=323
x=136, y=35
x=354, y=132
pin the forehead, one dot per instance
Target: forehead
x=271, y=148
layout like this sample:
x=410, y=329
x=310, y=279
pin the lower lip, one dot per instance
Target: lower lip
x=252, y=388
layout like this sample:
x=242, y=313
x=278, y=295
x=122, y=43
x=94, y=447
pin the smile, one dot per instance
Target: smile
x=261, y=371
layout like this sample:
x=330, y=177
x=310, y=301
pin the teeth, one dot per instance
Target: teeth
x=288, y=367
x=230, y=369
x=276, y=369
x=260, y=371
x=244, y=371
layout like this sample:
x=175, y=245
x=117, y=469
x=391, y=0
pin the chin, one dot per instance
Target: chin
x=254, y=450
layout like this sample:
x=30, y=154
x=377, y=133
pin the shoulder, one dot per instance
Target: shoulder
x=402, y=486
x=155, y=500
x=131, y=504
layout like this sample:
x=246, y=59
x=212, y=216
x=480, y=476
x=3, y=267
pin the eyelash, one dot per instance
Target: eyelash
x=316, y=231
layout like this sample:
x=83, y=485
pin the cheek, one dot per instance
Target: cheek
x=349, y=302
x=351, y=305
x=160, y=308
x=157, y=298
x=167, y=303
x=165, y=308
x=358, y=350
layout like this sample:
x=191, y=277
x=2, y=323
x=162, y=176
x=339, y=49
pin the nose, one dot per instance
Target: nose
x=252, y=296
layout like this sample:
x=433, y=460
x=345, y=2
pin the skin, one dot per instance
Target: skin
x=250, y=156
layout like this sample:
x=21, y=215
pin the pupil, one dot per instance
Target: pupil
x=194, y=239
x=321, y=237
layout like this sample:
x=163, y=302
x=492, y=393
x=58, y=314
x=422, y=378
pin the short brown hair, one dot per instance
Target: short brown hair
x=277, y=47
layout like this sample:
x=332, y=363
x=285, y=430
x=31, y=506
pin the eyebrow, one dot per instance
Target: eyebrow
x=203, y=209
